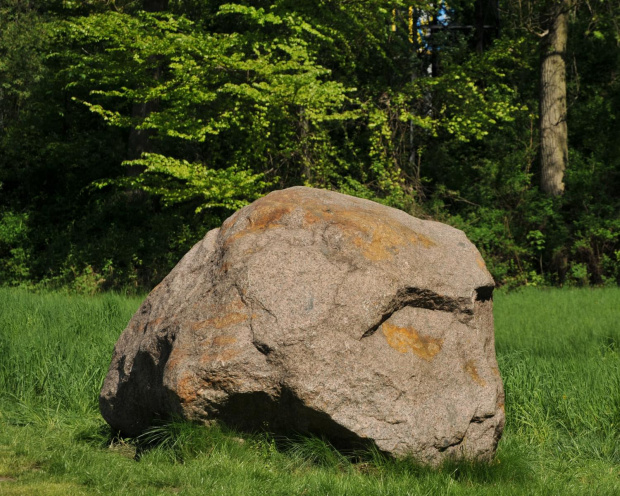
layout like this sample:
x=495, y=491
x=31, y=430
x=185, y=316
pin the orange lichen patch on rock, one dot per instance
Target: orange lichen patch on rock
x=225, y=355
x=220, y=321
x=229, y=319
x=223, y=340
x=422, y=239
x=266, y=215
x=314, y=216
x=375, y=250
x=186, y=388
x=219, y=349
x=472, y=371
x=480, y=262
x=378, y=238
x=404, y=339
x=495, y=371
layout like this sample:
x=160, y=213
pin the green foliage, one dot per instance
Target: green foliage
x=243, y=105
x=125, y=135
x=14, y=257
x=178, y=181
x=475, y=96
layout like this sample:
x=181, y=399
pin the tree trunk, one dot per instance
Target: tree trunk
x=553, y=128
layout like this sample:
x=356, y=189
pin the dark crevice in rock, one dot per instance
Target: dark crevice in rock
x=479, y=420
x=422, y=298
x=444, y=444
x=262, y=347
x=484, y=293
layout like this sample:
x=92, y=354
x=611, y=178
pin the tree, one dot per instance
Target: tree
x=210, y=104
x=235, y=109
x=553, y=125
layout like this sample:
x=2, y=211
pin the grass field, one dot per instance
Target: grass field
x=558, y=351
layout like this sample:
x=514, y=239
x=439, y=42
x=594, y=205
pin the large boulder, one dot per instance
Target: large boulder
x=313, y=311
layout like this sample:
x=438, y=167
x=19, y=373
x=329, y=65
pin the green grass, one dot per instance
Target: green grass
x=558, y=350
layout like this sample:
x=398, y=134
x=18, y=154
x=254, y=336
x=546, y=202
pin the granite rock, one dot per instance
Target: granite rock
x=313, y=311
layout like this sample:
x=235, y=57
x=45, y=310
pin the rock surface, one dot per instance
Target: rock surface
x=312, y=311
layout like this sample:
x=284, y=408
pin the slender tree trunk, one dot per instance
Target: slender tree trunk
x=553, y=128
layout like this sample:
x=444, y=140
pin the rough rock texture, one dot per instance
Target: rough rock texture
x=312, y=311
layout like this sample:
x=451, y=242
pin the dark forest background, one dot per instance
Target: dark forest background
x=130, y=128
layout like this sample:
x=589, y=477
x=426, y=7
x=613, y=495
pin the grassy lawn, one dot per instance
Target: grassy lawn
x=558, y=351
